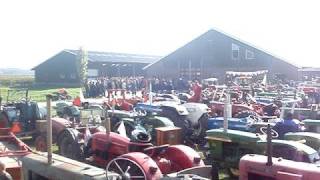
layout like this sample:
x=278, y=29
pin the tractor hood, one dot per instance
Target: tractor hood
x=178, y=107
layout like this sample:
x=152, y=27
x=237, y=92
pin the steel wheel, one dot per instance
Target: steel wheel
x=66, y=147
x=126, y=168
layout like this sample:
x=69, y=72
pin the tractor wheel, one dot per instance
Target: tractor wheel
x=136, y=166
x=178, y=121
x=245, y=114
x=202, y=126
x=4, y=121
x=41, y=143
x=71, y=149
x=126, y=168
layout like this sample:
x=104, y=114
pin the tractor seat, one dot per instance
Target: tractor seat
x=156, y=150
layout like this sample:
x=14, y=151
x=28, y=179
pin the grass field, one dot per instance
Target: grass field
x=36, y=94
x=10, y=88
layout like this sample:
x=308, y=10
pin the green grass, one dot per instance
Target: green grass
x=36, y=94
x=13, y=84
x=18, y=80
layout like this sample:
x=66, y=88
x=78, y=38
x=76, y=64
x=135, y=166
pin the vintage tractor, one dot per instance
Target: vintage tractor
x=25, y=120
x=256, y=167
x=22, y=115
x=192, y=118
x=138, y=120
x=312, y=125
x=227, y=147
x=247, y=124
x=134, y=158
x=309, y=138
x=170, y=109
x=12, y=150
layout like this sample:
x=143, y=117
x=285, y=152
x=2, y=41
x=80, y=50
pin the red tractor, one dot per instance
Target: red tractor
x=134, y=158
x=238, y=110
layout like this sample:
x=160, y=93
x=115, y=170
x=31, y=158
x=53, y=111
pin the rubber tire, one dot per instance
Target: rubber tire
x=177, y=120
x=76, y=148
x=41, y=143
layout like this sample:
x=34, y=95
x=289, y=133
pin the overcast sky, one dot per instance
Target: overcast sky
x=32, y=31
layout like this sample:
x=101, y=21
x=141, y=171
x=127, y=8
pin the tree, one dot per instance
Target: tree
x=82, y=65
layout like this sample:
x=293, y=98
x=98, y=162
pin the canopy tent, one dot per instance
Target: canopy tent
x=255, y=73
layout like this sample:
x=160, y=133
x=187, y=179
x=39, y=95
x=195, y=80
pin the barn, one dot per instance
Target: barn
x=62, y=67
x=213, y=54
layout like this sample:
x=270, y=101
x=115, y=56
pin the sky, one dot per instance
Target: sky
x=33, y=31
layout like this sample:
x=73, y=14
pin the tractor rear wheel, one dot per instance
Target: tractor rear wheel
x=178, y=121
x=71, y=149
x=41, y=143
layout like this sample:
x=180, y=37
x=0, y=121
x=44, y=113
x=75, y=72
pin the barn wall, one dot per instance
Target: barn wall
x=59, y=69
x=210, y=55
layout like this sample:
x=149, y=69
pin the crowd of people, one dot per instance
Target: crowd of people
x=98, y=87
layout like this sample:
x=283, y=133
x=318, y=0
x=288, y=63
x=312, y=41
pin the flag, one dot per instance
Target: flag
x=87, y=136
x=122, y=129
x=264, y=81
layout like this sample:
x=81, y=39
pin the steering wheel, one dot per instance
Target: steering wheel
x=139, y=112
x=255, y=118
x=140, y=136
x=274, y=133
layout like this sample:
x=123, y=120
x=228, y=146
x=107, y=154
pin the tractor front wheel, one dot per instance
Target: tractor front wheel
x=71, y=149
x=126, y=168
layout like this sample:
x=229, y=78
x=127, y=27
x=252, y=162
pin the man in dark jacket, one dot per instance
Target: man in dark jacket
x=287, y=125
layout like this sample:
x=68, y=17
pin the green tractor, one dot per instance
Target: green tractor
x=228, y=146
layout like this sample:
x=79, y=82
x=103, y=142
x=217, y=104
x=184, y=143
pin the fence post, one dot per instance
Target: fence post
x=49, y=129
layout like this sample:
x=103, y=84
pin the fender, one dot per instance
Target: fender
x=196, y=111
x=183, y=157
x=146, y=163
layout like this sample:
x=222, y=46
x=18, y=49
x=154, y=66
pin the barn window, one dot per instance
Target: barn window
x=235, y=51
x=249, y=54
x=62, y=76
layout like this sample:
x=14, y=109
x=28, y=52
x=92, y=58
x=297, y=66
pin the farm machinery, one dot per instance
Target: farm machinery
x=192, y=118
x=261, y=167
x=122, y=157
x=227, y=147
x=12, y=150
x=135, y=155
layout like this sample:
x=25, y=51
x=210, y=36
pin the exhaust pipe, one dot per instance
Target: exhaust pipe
x=49, y=129
x=107, y=122
x=227, y=111
x=269, y=146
